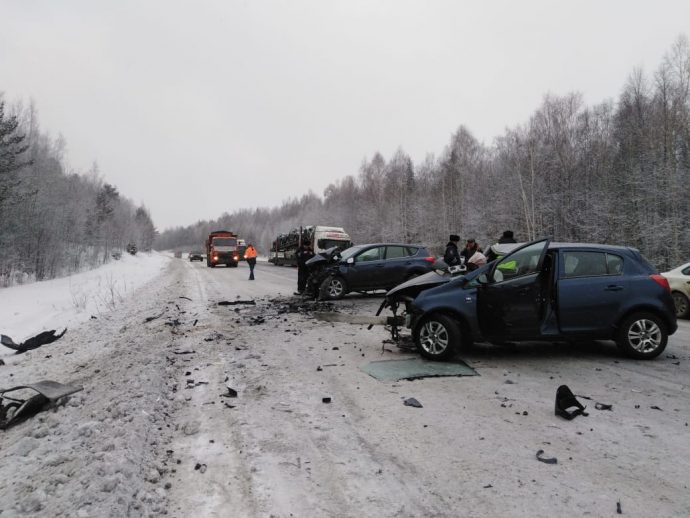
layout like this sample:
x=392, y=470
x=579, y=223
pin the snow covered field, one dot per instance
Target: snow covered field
x=155, y=433
x=27, y=310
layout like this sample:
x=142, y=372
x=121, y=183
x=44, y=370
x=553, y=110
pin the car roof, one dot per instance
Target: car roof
x=612, y=248
x=391, y=244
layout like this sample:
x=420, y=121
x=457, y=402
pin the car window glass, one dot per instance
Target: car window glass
x=614, y=264
x=411, y=251
x=586, y=264
x=373, y=254
x=396, y=252
x=686, y=271
x=523, y=262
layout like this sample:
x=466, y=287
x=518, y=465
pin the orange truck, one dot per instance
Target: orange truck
x=221, y=248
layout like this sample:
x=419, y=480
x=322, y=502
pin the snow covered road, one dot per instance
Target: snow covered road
x=153, y=433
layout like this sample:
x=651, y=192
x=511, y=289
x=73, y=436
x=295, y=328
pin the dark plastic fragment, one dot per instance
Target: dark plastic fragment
x=546, y=460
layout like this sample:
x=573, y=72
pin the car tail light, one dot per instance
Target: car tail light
x=235, y=258
x=215, y=257
x=430, y=259
x=661, y=281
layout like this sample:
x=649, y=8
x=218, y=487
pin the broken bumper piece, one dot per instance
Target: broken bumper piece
x=14, y=410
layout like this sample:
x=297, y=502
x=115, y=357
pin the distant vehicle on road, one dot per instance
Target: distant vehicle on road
x=241, y=247
x=542, y=291
x=367, y=268
x=221, y=248
x=196, y=256
x=284, y=248
x=679, y=280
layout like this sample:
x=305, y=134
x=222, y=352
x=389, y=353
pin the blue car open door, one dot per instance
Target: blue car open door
x=511, y=302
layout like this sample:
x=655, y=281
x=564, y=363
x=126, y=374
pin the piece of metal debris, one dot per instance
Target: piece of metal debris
x=186, y=298
x=14, y=410
x=546, y=460
x=567, y=406
x=231, y=393
x=603, y=406
x=412, y=402
x=654, y=407
x=618, y=508
x=46, y=337
x=236, y=302
x=325, y=400
x=149, y=319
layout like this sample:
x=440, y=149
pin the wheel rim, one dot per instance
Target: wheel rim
x=681, y=304
x=644, y=335
x=335, y=288
x=433, y=337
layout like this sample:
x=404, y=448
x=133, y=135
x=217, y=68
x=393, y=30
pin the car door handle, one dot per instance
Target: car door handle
x=613, y=287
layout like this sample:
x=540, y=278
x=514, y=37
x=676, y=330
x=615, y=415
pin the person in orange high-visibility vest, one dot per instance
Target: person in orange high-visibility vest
x=250, y=256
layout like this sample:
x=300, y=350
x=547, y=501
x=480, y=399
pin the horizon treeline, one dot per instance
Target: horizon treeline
x=617, y=172
x=54, y=222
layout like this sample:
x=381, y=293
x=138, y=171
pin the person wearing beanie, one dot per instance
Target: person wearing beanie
x=507, y=237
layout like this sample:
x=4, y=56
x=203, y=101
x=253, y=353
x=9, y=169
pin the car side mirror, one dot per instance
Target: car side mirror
x=483, y=279
x=350, y=260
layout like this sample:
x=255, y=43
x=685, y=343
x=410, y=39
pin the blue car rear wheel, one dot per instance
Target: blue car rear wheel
x=642, y=336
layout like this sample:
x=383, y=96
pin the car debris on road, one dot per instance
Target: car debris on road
x=44, y=338
x=14, y=410
x=565, y=400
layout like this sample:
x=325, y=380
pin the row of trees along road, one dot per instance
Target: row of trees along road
x=617, y=172
x=53, y=221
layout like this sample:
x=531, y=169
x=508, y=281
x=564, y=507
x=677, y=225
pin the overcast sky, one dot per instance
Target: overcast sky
x=199, y=107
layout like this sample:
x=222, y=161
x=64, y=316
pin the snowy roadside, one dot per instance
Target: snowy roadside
x=31, y=308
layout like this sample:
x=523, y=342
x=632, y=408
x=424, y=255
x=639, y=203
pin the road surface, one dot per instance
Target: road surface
x=155, y=431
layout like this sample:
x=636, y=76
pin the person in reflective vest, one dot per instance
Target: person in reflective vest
x=250, y=256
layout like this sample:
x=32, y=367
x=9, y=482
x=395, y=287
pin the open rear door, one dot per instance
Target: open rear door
x=510, y=304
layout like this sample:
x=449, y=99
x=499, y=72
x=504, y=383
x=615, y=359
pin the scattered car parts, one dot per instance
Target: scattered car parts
x=46, y=337
x=565, y=401
x=14, y=410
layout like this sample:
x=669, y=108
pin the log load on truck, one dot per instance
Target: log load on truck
x=284, y=248
x=221, y=248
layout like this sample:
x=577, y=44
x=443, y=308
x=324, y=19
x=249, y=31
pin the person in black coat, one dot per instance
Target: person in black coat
x=451, y=256
x=304, y=253
x=507, y=237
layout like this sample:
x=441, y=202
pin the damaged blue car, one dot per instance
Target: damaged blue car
x=540, y=291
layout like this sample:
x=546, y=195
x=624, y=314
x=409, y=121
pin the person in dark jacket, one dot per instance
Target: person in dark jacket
x=507, y=237
x=451, y=256
x=304, y=253
x=470, y=248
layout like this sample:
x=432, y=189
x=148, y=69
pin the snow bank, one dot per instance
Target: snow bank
x=29, y=309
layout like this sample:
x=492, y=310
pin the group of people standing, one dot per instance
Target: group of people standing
x=472, y=254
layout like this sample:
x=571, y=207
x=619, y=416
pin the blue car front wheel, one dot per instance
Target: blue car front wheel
x=437, y=337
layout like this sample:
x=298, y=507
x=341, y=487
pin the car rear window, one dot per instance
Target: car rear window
x=589, y=264
x=686, y=271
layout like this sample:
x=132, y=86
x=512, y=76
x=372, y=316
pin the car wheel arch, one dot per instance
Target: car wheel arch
x=643, y=309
